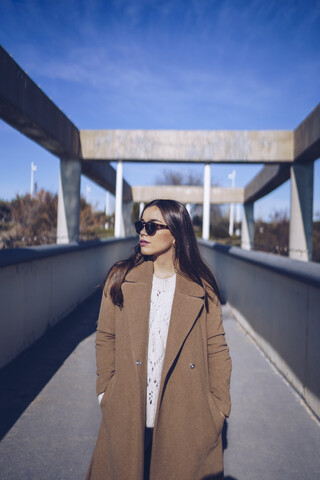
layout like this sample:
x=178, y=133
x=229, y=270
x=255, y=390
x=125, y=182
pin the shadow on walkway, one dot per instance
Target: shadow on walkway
x=218, y=477
x=23, y=378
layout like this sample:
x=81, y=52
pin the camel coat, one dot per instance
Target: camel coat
x=194, y=386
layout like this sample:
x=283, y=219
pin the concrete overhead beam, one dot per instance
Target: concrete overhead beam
x=267, y=180
x=105, y=175
x=307, y=137
x=202, y=146
x=187, y=194
x=26, y=107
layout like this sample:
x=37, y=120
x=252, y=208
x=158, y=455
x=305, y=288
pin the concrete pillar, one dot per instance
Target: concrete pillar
x=238, y=218
x=107, y=203
x=231, y=220
x=206, y=202
x=300, y=232
x=127, y=224
x=188, y=207
x=247, y=230
x=118, y=221
x=141, y=207
x=69, y=201
x=232, y=177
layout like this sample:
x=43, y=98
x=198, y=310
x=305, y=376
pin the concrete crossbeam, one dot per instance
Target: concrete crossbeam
x=307, y=137
x=26, y=107
x=104, y=175
x=267, y=180
x=187, y=194
x=202, y=146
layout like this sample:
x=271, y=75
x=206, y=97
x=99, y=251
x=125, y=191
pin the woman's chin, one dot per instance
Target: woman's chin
x=145, y=250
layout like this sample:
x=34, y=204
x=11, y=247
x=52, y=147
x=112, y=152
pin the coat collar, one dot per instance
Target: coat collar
x=143, y=274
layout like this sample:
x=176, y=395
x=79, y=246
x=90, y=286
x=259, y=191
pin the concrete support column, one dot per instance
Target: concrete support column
x=107, y=203
x=300, y=232
x=231, y=220
x=188, y=207
x=206, y=202
x=247, y=230
x=118, y=221
x=69, y=201
x=127, y=225
x=141, y=207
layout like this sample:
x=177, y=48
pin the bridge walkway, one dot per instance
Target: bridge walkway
x=50, y=415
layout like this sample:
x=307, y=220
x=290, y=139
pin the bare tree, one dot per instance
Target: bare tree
x=32, y=220
x=174, y=177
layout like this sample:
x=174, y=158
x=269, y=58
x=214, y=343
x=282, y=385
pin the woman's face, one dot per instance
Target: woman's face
x=162, y=241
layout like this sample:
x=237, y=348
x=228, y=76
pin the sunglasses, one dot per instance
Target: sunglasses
x=150, y=227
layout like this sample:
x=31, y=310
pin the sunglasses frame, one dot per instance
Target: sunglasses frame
x=156, y=226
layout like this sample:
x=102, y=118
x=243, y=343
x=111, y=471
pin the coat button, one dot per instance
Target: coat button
x=138, y=363
x=192, y=365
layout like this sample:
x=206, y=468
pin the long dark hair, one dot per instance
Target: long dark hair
x=188, y=260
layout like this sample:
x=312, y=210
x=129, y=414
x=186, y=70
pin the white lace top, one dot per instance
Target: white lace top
x=160, y=311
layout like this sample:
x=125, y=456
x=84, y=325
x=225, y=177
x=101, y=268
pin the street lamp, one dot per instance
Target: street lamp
x=33, y=169
x=88, y=190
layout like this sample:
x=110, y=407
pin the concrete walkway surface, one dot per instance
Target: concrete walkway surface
x=50, y=415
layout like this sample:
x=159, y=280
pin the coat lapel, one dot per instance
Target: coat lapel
x=187, y=305
x=137, y=292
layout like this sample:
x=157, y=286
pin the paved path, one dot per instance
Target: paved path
x=50, y=416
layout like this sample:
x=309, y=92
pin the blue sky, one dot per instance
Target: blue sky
x=145, y=64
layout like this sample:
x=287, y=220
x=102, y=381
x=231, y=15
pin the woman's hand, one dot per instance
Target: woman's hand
x=100, y=397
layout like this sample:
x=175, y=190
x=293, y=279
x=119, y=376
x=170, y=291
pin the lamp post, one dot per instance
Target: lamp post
x=33, y=169
x=88, y=190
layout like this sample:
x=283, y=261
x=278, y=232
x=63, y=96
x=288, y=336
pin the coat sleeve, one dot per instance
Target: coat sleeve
x=105, y=343
x=219, y=361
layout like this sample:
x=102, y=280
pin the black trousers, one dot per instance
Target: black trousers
x=148, y=432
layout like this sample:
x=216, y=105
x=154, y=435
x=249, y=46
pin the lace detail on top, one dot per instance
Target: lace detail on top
x=159, y=318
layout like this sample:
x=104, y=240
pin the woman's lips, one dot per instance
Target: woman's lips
x=143, y=242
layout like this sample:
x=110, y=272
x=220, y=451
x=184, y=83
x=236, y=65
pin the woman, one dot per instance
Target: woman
x=162, y=362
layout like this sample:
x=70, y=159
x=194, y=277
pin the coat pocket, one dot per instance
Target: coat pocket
x=216, y=416
x=107, y=392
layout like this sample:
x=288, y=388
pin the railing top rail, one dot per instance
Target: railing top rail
x=306, y=272
x=14, y=256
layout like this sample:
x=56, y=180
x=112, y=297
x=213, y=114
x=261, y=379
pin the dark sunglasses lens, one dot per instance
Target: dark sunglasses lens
x=139, y=226
x=151, y=228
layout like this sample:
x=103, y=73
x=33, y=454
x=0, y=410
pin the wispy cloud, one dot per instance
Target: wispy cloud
x=103, y=70
x=175, y=59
